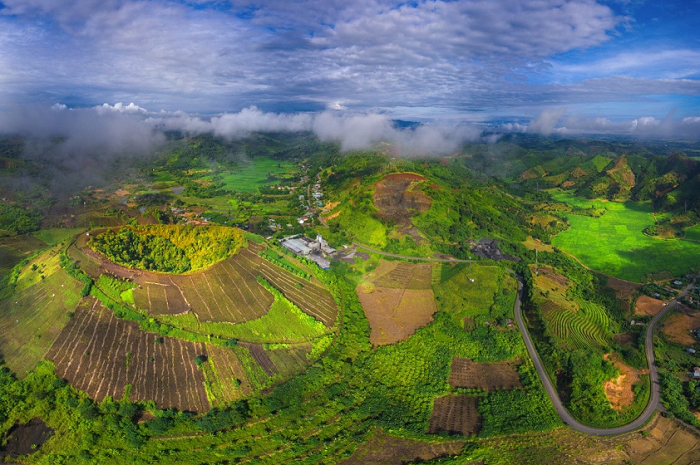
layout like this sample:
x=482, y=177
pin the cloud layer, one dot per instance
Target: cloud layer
x=437, y=56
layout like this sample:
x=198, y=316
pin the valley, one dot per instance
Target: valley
x=462, y=313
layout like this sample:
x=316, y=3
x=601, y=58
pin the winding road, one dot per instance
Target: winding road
x=565, y=416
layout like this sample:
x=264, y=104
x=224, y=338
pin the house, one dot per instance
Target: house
x=696, y=372
x=690, y=351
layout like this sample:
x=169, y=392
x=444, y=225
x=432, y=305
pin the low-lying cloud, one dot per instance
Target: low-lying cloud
x=556, y=121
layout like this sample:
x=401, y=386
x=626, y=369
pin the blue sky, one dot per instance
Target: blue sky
x=569, y=66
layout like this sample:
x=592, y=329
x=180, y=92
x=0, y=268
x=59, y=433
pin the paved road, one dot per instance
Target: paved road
x=551, y=391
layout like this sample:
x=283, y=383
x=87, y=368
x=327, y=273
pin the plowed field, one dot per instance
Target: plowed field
x=455, y=414
x=101, y=355
x=488, y=376
x=397, y=299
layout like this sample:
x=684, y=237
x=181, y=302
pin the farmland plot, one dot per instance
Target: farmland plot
x=397, y=299
x=455, y=414
x=487, y=376
x=102, y=355
x=32, y=319
x=311, y=298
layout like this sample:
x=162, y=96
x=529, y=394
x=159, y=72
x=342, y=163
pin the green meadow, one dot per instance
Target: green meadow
x=255, y=173
x=614, y=244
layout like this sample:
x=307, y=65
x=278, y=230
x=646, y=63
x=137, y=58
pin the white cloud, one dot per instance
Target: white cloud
x=544, y=124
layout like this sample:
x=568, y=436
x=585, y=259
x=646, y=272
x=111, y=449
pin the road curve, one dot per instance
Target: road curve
x=565, y=416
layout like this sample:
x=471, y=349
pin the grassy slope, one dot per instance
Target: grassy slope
x=614, y=243
x=31, y=319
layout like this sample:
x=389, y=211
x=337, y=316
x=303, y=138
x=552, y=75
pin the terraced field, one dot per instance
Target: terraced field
x=32, y=319
x=102, y=356
x=584, y=328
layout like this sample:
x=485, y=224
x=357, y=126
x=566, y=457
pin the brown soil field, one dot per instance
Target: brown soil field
x=26, y=439
x=402, y=275
x=395, y=314
x=668, y=442
x=550, y=279
x=397, y=200
x=623, y=289
x=465, y=373
x=101, y=355
x=311, y=298
x=383, y=449
x=624, y=339
x=455, y=414
x=619, y=390
x=397, y=299
x=678, y=326
x=646, y=305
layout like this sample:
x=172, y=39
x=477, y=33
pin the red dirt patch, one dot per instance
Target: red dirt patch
x=488, y=376
x=678, y=326
x=646, y=305
x=384, y=449
x=619, y=390
x=397, y=199
x=455, y=414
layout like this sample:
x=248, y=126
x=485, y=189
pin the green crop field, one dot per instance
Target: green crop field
x=693, y=233
x=32, y=319
x=15, y=249
x=614, y=244
x=464, y=297
x=283, y=323
x=55, y=235
x=255, y=173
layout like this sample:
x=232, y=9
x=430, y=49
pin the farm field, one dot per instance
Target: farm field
x=397, y=299
x=54, y=236
x=104, y=356
x=693, y=233
x=465, y=373
x=575, y=323
x=678, y=325
x=32, y=319
x=455, y=414
x=256, y=172
x=646, y=305
x=467, y=298
x=15, y=249
x=614, y=244
x=384, y=449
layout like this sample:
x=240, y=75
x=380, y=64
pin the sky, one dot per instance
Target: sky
x=546, y=66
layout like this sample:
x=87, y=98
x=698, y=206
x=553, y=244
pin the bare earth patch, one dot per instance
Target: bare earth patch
x=465, y=373
x=678, y=326
x=383, y=449
x=395, y=314
x=619, y=390
x=623, y=289
x=397, y=298
x=455, y=414
x=536, y=244
x=646, y=305
x=398, y=199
